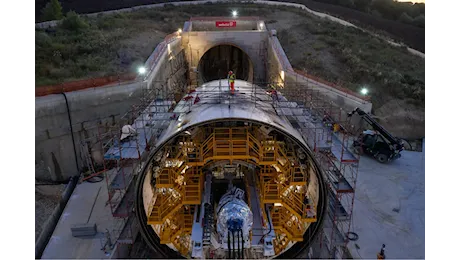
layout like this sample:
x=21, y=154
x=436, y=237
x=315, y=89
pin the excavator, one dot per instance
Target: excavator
x=378, y=142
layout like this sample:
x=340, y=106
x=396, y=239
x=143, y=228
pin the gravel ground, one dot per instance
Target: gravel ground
x=46, y=199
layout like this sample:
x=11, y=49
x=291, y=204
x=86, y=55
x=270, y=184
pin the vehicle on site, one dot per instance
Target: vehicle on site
x=378, y=142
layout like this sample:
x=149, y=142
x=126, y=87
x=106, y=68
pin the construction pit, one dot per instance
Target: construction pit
x=259, y=172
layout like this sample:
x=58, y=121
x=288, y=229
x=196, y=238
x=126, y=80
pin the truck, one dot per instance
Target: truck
x=377, y=142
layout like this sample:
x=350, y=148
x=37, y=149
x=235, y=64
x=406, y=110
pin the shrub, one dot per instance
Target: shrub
x=405, y=18
x=52, y=11
x=74, y=22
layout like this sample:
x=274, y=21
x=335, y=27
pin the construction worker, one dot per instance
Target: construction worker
x=381, y=254
x=231, y=81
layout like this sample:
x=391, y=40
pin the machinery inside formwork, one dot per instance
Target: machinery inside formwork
x=262, y=172
x=230, y=178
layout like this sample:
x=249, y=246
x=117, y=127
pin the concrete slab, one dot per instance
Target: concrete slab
x=390, y=208
x=62, y=244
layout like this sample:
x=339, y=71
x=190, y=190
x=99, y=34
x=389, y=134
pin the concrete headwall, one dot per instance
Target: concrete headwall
x=274, y=62
x=251, y=42
x=90, y=108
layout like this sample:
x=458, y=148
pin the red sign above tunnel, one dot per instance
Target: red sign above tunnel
x=225, y=23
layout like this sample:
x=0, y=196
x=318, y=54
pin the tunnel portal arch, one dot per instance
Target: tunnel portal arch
x=218, y=59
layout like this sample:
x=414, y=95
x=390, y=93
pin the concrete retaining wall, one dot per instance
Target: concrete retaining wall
x=54, y=155
x=274, y=64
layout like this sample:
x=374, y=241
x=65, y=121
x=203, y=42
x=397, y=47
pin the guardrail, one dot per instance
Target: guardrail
x=213, y=18
x=152, y=61
x=83, y=84
x=287, y=67
x=344, y=91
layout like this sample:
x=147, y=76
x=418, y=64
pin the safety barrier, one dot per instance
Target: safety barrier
x=332, y=85
x=213, y=18
x=287, y=67
x=83, y=84
x=153, y=59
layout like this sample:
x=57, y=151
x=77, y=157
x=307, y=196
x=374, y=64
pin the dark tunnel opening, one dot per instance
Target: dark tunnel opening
x=219, y=60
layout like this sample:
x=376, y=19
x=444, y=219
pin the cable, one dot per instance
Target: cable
x=242, y=245
x=269, y=224
x=71, y=133
x=95, y=179
x=353, y=237
x=229, y=248
x=238, y=236
x=233, y=242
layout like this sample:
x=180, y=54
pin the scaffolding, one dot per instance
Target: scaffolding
x=322, y=124
x=329, y=133
x=120, y=161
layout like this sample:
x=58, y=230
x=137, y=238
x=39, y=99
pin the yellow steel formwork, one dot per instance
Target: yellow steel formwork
x=280, y=181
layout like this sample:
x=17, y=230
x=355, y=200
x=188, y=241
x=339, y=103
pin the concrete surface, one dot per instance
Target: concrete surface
x=390, y=208
x=62, y=244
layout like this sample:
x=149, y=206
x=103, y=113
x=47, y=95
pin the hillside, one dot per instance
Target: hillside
x=115, y=44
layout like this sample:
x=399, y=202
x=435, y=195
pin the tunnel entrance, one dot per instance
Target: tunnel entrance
x=218, y=60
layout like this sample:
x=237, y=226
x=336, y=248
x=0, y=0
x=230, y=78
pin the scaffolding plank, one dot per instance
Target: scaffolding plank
x=150, y=123
x=338, y=148
x=336, y=209
x=330, y=229
x=339, y=182
x=122, y=178
x=130, y=230
x=123, y=208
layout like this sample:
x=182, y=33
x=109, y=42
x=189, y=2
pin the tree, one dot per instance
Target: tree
x=419, y=21
x=74, y=22
x=52, y=11
x=405, y=18
x=362, y=5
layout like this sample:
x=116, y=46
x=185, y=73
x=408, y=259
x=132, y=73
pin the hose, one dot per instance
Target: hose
x=95, y=179
x=242, y=245
x=269, y=224
x=233, y=242
x=71, y=133
x=229, y=248
x=238, y=236
x=352, y=236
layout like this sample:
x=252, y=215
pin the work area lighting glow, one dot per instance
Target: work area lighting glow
x=141, y=70
x=234, y=13
x=364, y=91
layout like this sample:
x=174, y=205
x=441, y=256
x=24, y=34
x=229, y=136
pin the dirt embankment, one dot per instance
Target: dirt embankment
x=47, y=198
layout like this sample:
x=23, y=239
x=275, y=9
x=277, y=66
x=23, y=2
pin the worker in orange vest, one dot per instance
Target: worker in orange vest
x=231, y=80
x=381, y=254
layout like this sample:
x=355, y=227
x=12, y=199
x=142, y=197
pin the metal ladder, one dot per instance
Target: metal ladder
x=208, y=223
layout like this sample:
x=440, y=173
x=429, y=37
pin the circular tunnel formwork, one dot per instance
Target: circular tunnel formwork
x=219, y=60
x=220, y=136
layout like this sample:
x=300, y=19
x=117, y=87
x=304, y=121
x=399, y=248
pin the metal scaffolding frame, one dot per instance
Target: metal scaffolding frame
x=122, y=160
x=328, y=131
x=323, y=125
